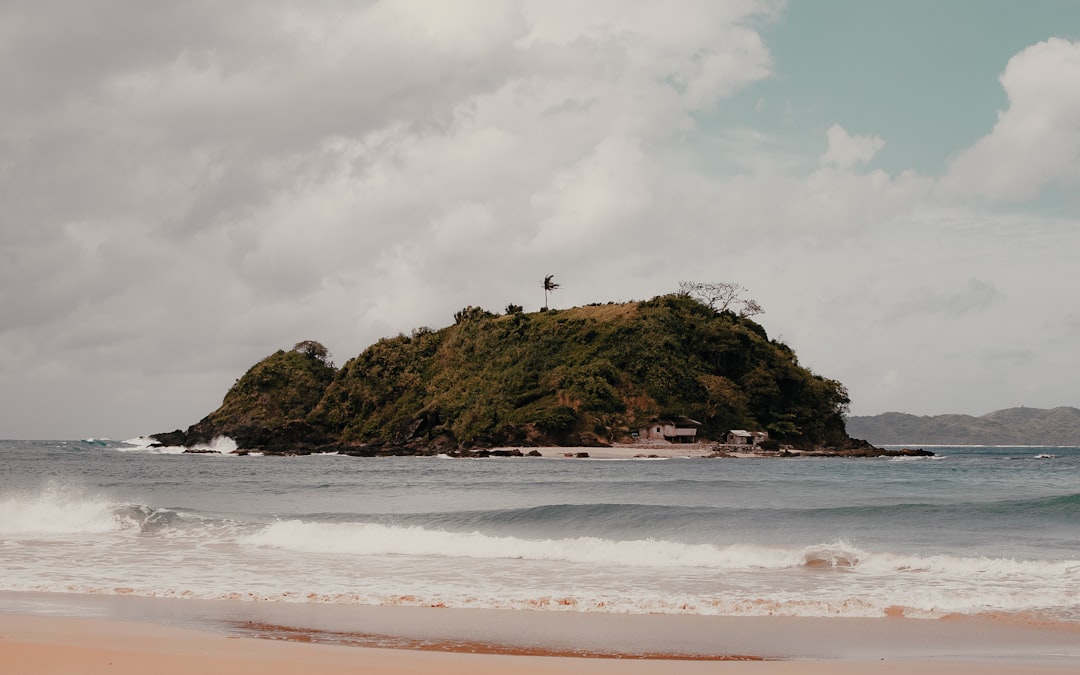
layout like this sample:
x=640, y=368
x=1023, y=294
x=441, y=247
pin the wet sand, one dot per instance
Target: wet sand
x=45, y=645
x=72, y=633
x=641, y=452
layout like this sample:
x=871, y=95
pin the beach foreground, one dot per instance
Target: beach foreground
x=46, y=644
x=322, y=563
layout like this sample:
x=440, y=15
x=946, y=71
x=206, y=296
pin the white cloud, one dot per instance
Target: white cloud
x=226, y=185
x=910, y=317
x=184, y=196
x=845, y=151
x=1036, y=141
x=596, y=197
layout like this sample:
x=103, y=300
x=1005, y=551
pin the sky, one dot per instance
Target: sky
x=186, y=188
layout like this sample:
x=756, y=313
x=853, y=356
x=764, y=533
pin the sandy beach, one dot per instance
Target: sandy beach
x=636, y=451
x=72, y=633
x=48, y=645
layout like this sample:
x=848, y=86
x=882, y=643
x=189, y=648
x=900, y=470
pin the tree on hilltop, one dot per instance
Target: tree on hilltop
x=549, y=286
x=314, y=349
x=721, y=296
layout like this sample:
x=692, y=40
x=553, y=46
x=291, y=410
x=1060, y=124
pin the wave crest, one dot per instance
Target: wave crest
x=376, y=539
x=371, y=539
x=58, y=511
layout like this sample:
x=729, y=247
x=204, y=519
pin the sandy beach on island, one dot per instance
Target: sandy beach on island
x=52, y=645
x=637, y=451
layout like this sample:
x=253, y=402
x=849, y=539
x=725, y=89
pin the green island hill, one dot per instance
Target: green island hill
x=583, y=377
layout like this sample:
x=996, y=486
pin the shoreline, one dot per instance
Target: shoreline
x=645, y=452
x=611, y=452
x=37, y=624
x=93, y=646
x=635, y=452
x=625, y=451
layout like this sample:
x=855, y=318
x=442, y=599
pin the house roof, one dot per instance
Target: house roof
x=740, y=432
x=680, y=421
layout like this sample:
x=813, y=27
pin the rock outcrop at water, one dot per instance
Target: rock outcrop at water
x=1012, y=426
x=586, y=376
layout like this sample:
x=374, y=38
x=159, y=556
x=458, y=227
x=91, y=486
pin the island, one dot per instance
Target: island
x=589, y=376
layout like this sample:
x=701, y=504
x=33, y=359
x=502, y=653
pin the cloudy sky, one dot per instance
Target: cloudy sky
x=187, y=187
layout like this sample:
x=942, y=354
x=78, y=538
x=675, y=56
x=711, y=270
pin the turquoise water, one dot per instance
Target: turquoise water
x=972, y=531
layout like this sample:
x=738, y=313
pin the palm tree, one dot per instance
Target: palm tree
x=549, y=285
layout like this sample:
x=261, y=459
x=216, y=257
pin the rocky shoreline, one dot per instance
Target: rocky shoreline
x=291, y=447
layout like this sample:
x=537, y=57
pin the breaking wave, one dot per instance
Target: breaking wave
x=221, y=445
x=66, y=512
x=57, y=511
x=371, y=539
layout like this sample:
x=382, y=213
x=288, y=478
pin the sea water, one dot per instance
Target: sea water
x=973, y=530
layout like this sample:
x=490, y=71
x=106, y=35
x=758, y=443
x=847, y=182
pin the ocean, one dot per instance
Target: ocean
x=972, y=531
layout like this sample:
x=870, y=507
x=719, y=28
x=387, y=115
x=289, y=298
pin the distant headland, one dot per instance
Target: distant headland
x=1011, y=426
x=587, y=376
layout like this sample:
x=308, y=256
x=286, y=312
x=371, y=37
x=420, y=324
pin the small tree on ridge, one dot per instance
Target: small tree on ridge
x=549, y=286
x=721, y=296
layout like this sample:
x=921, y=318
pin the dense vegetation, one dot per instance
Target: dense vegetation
x=268, y=407
x=582, y=376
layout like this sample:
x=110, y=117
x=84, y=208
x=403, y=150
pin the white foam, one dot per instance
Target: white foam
x=57, y=511
x=950, y=566
x=220, y=445
x=143, y=444
x=223, y=445
x=375, y=539
x=295, y=560
x=371, y=539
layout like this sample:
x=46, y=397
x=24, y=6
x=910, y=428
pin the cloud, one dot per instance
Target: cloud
x=596, y=197
x=1015, y=357
x=188, y=189
x=975, y=295
x=845, y=150
x=1036, y=141
x=1065, y=328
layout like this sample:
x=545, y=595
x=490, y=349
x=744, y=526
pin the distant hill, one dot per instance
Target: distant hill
x=582, y=376
x=1012, y=426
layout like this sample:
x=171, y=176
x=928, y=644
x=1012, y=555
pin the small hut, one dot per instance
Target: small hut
x=679, y=429
x=747, y=438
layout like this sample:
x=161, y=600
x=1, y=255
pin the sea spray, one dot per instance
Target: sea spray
x=56, y=511
x=219, y=445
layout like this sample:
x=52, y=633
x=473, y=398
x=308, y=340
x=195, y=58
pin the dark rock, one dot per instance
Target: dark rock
x=868, y=451
x=170, y=438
